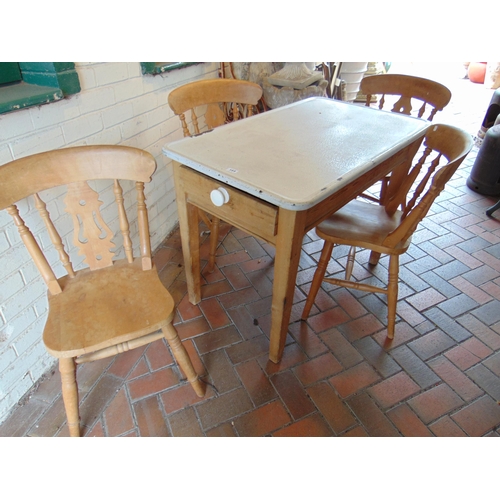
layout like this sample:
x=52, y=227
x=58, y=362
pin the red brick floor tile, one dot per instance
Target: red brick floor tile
x=87, y=374
x=255, y=382
x=341, y=348
x=462, y=357
x=491, y=289
x=369, y=414
x=232, y=258
x=187, y=310
x=307, y=339
x=356, y=432
x=476, y=347
x=150, y=418
x=493, y=364
x=402, y=334
x=239, y=297
x=214, y=313
x=335, y=412
x=445, y=427
x=185, y=424
x=425, y=299
x=435, y=402
x=22, y=418
x=293, y=394
x=244, y=322
x=101, y=395
x=49, y=387
x=96, y=431
x=354, y=379
x=182, y=396
x=474, y=292
x=227, y=406
x=152, y=383
x=481, y=331
x=141, y=368
x=123, y=363
x=262, y=421
x=407, y=422
x=459, y=382
x=409, y=314
x=224, y=430
x=221, y=371
x=248, y=349
x=393, y=390
x=479, y=417
x=216, y=339
x=327, y=319
x=311, y=426
x=236, y=277
x=292, y=355
x=431, y=344
x=215, y=289
x=361, y=327
x=158, y=355
x=118, y=415
x=348, y=303
x=192, y=328
x=317, y=369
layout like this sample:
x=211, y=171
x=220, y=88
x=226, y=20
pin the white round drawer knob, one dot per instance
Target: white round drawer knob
x=219, y=196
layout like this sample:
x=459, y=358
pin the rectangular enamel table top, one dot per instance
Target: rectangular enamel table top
x=298, y=155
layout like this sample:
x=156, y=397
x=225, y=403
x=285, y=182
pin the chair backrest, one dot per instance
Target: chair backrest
x=73, y=167
x=445, y=149
x=407, y=87
x=226, y=100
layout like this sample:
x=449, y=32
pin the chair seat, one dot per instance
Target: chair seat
x=362, y=222
x=102, y=308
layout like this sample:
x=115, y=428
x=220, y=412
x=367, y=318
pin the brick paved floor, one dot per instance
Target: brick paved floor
x=339, y=376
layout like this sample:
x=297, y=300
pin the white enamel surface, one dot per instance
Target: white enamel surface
x=297, y=155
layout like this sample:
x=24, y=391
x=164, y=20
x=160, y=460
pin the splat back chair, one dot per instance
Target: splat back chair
x=409, y=95
x=388, y=229
x=226, y=100
x=112, y=305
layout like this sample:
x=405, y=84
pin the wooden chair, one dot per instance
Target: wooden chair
x=226, y=100
x=112, y=305
x=388, y=229
x=410, y=95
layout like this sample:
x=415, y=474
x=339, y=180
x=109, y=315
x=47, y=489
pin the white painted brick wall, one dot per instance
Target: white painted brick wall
x=117, y=105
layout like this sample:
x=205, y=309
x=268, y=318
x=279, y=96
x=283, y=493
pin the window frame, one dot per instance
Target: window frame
x=41, y=83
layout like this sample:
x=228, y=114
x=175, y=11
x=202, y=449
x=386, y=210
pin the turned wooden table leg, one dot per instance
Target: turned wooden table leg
x=67, y=368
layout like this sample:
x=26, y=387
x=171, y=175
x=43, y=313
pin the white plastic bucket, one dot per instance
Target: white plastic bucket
x=352, y=73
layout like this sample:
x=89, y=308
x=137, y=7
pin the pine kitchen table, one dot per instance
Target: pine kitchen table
x=278, y=174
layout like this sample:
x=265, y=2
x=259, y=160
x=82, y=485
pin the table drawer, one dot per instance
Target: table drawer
x=242, y=210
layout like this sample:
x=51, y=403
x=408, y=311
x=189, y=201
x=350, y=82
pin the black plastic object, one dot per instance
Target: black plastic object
x=491, y=114
x=485, y=174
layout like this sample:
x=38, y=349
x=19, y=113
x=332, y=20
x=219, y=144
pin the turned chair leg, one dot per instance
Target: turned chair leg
x=392, y=294
x=214, y=240
x=374, y=258
x=350, y=263
x=67, y=368
x=326, y=253
x=183, y=359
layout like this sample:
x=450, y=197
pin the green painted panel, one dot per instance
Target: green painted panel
x=156, y=68
x=61, y=75
x=23, y=95
x=9, y=72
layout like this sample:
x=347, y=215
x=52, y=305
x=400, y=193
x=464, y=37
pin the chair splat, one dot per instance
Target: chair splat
x=91, y=234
